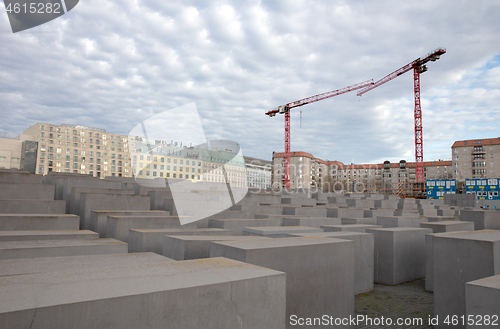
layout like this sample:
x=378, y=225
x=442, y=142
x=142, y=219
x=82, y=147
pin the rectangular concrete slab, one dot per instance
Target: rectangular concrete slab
x=210, y=293
x=47, y=235
x=29, y=222
x=54, y=248
x=482, y=300
x=65, y=263
x=364, y=258
x=185, y=247
x=9, y=191
x=279, y=231
x=448, y=226
x=117, y=227
x=236, y=225
x=319, y=272
x=482, y=219
x=99, y=218
x=400, y=221
x=152, y=240
x=461, y=257
x=32, y=206
x=92, y=201
x=349, y=227
x=399, y=254
x=366, y=221
x=310, y=221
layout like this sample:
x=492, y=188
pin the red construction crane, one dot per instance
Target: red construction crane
x=285, y=109
x=418, y=67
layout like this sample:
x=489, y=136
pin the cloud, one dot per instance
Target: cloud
x=110, y=63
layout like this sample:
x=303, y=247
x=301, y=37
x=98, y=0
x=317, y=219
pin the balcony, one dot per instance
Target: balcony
x=478, y=151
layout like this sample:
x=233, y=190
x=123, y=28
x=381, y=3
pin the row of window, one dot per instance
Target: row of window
x=82, y=133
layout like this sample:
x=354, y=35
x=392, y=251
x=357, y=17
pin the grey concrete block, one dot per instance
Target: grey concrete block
x=375, y=212
x=185, y=247
x=54, y=248
x=279, y=231
x=400, y=221
x=73, y=203
x=448, y=226
x=431, y=219
x=366, y=221
x=99, y=218
x=429, y=260
x=55, y=264
x=211, y=293
x=482, y=299
x=461, y=257
x=23, y=177
x=310, y=211
x=13, y=191
x=310, y=221
x=47, y=235
x=32, y=206
x=345, y=212
x=399, y=254
x=483, y=219
x=349, y=228
x=363, y=260
x=117, y=227
x=236, y=226
x=152, y=240
x=30, y=222
x=319, y=272
x=92, y=201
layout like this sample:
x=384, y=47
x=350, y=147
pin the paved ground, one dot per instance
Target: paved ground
x=407, y=301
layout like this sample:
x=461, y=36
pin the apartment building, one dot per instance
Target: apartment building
x=259, y=173
x=476, y=158
x=307, y=171
x=79, y=149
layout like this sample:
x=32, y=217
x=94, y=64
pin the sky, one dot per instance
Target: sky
x=113, y=64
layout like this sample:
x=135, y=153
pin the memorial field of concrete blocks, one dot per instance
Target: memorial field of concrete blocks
x=81, y=252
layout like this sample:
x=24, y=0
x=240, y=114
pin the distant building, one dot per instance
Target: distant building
x=307, y=171
x=79, y=149
x=259, y=173
x=476, y=158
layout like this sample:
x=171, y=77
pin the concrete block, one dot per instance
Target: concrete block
x=461, y=257
x=118, y=227
x=448, y=226
x=279, y=231
x=185, y=247
x=375, y=212
x=363, y=260
x=23, y=177
x=236, y=226
x=310, y=221
x=482, y=299
x=211, y=293
x=13, y=191
x=400, y=221
x=399, y=254
x=73, y=203
x=483, y=219
x=349, y=228
x=310, y=211
x=366, y=221
x=152, y=240
x=92, y=201
x=30, y=222
x=46, y=235
x=32, y=206
x=54, y=248
x=319, y=272
x=99, y=218
x=431, y=219
x=55, y=264
x=345, y=212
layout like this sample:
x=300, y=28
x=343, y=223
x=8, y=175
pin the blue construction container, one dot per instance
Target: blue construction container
x=437, y=188
x=484, y=188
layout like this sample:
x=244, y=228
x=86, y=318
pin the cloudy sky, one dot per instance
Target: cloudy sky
x=116, y=63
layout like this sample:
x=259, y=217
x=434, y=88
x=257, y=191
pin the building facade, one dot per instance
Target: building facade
x=476, y=158
x=80, y=150
x=307, y=171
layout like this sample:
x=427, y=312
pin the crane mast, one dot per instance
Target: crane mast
x=418, y=67
x=285, y=109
